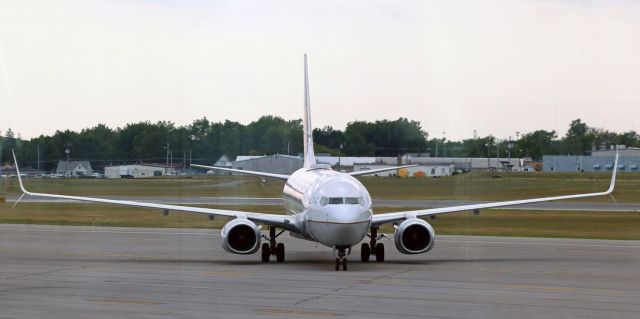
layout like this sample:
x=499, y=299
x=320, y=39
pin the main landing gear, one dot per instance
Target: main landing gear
x=373, y=247
x=341, y=260
x=272, y=248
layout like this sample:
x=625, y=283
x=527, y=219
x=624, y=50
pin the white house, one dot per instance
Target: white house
x=223, y=161
x=74, y=168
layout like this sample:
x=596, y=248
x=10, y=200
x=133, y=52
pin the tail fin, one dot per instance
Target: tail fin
x=309, y=155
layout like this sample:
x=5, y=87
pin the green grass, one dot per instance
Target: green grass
x=179, y=187
x=603, y=225
x=472, y=186
x=87, y=214
x=503, y=186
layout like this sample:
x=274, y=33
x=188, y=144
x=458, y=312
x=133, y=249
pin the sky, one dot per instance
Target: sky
x=494, y=67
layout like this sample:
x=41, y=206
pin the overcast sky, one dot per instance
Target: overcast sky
x=456, y=66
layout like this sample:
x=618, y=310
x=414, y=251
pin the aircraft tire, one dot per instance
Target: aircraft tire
x=280, y=252
x=266, y=253
x=379, y=252
x=365, y=252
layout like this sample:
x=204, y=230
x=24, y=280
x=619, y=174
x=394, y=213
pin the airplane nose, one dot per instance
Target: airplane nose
x=338, y=225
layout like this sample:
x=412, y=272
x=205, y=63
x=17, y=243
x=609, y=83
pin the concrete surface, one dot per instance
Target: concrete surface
x=87, y=272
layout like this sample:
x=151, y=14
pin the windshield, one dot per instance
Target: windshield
x=341, y=200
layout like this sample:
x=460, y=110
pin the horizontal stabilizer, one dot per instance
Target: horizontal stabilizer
x=263, y=174
x=377, y=170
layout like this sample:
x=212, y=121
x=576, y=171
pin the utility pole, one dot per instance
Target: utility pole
x=38, y=158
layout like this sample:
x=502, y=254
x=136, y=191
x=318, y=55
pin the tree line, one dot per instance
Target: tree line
x=204, y=141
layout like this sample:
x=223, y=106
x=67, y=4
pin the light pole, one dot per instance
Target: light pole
x=68, y=152
x=488, y=160
x=339, y=156
x=444, y=147
x=167, y=148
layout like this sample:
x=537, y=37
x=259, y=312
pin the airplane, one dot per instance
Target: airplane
x=324, y=206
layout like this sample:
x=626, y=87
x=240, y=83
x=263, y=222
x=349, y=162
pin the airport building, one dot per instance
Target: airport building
x=417, y=171
x=598, y=161
x=427, y=166
x=573, y=163
x=137, y=171
x=460, y=164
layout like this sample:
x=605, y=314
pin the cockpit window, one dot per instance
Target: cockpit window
x=341, y=200
x=352, y=200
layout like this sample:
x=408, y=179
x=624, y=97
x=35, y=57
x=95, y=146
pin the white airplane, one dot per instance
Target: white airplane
x=325, y=206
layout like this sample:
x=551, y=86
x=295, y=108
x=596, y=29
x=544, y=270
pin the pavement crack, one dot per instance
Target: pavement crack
x=353, y=285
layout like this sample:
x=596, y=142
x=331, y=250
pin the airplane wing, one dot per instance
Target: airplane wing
x=272, y=175
x=377, y=170
x=281, y=221
x=380, y=219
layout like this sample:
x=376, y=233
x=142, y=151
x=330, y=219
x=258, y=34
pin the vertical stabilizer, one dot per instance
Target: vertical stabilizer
x=309, y=155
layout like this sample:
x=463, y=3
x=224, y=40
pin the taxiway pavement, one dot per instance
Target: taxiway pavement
x=92, y=272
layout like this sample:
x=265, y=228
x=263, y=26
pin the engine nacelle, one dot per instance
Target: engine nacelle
x=241, y=236
x=414, y=236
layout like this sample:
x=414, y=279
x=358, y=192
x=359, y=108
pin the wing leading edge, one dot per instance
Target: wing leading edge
x=380, y=219
x=281, y=221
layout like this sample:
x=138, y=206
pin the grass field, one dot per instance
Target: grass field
x=605, y=225
x=473, y=186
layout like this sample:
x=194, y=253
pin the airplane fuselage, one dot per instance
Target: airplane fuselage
x=333, y=208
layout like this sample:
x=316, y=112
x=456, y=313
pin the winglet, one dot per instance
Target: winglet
x=613, y=176
x=15, y=161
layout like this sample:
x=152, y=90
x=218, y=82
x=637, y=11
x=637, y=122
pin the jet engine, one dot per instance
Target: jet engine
x=414, y=236
x=240, y=236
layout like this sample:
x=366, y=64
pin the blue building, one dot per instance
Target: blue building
x=573, y=163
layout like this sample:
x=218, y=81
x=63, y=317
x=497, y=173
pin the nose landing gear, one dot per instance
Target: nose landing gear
x=373, y=247
x=341, y=260
x=273, y=248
